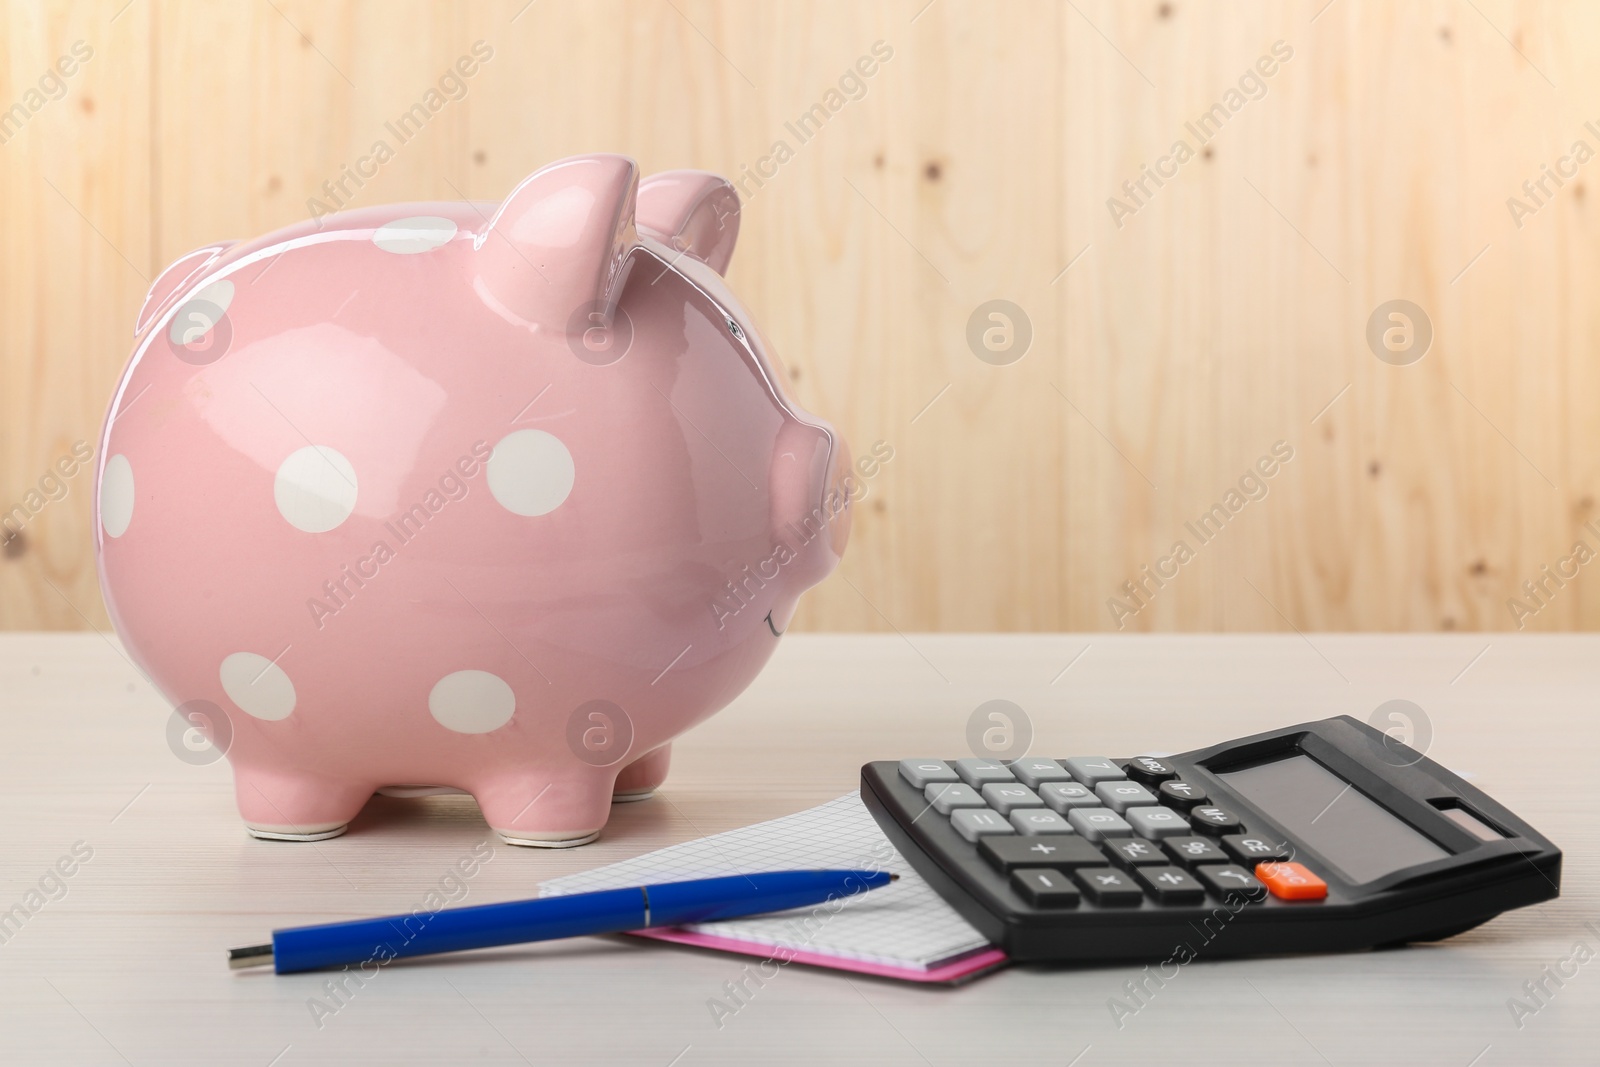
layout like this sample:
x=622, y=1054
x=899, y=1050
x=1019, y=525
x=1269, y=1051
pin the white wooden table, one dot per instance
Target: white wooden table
x=127, y=964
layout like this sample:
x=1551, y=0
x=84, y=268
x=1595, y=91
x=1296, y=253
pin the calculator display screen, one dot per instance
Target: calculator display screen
x=1324, y=812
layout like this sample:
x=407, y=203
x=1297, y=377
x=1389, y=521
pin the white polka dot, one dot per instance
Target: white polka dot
x=200, y=313
x=472, y=702
x=116, y=495
x=315, y=489
x=420, y=233
x=257, y=685
x=530, y=472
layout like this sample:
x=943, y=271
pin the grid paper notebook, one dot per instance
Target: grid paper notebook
x=903, y=930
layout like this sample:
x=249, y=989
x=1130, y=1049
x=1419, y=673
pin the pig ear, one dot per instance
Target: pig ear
x=173, y=281
x=694, y=212
x=557, y=250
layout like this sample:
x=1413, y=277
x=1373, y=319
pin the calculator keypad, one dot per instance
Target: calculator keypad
x=1115, y=835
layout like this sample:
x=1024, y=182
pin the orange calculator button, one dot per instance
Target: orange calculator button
x=1291, y=881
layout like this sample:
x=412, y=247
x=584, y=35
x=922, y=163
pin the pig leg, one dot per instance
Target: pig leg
x=641, y=778
x=544, y=812
x=285, y=806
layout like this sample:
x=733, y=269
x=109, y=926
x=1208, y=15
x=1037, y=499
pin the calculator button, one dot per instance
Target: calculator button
x=973, y=823
x=1227, y=880
x=1039, y=821
x=1291, y=881
x=1195, y=850
x=1045, y=888
x=1149, y=770
x=1251, y=849
x=1097, y=824
x=1172, y=885
x=1210, y=819
x=1092, y=770
x=946, y=797
x=1109, y=888
x=978, y=772
x=1156, y=822
x=1034, y=771
x=1009, y=853
x=1136, y=852
x=1063, y=796
x=922, y=773
x=1006, y=798
x=1180, y=794
x=1120, y=796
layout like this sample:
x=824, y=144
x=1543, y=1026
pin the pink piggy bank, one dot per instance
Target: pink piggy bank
x=490, y=498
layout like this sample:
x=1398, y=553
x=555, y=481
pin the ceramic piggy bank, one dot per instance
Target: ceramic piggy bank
x=489, y=498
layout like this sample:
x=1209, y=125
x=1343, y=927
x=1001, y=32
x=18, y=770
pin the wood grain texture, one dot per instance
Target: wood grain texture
x=1172, y=347
x=126, y=965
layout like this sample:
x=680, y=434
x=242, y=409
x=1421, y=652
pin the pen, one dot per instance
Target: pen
x=308, y=948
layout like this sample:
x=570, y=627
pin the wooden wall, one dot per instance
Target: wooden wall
x=1172, y=346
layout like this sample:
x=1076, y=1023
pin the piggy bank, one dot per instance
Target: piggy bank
x=476, y=497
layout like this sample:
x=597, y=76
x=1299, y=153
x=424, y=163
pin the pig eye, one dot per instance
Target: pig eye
x=733, y=328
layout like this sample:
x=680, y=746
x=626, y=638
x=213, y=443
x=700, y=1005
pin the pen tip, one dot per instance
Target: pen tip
x=249, y=956
x=894, y=878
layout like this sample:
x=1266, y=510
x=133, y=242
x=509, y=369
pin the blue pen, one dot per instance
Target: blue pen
x=309, y=948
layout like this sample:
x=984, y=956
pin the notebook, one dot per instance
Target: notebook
x=904, y=930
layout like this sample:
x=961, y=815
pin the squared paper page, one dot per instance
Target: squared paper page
x=904, y=924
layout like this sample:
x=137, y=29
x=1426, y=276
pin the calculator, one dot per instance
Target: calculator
x=1320, y=837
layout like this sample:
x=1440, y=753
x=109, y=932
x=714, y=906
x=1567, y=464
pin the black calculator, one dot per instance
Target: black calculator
x=1320, y=837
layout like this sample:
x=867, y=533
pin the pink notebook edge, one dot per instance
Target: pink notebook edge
x=979, y=962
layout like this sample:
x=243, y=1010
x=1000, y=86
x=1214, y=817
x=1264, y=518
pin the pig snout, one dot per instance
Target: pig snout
x=812, y=490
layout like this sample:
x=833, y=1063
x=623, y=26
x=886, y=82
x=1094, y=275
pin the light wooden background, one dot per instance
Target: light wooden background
x=1226, y=315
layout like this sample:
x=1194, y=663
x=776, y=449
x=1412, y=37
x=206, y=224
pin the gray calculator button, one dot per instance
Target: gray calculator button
x=1097, y=824
x=1092, y=770
x=1032, y=821
x=975, y=772
x=924, y=772
x=1063, y=796
x=947, y=797
x=1033, y=771
x=1120, y=796
x=1156, y=823
x=1007, y=797
x=973, y=823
